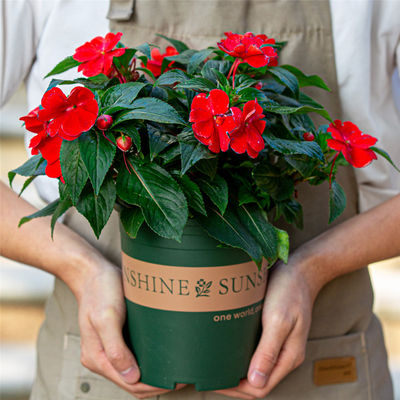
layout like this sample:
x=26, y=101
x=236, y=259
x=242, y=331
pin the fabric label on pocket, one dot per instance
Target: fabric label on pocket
x=335, y=370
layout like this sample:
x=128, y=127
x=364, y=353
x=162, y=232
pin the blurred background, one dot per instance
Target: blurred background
x=23, y=290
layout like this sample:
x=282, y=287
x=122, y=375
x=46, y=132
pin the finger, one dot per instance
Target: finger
x=235, y=394
x=109, y=329
x=266, y=355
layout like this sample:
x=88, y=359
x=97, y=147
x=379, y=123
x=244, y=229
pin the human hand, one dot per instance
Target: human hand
x=101, y=318
x=286, y=321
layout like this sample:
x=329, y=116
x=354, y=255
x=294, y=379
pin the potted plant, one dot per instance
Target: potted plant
x=200, y=151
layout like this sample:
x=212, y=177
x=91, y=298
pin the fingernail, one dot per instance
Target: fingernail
x=258, y=379
x=130, y=375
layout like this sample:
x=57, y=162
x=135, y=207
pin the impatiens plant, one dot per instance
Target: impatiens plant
x=221, y=135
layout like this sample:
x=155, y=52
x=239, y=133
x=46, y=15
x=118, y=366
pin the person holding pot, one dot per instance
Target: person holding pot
x=319, y=306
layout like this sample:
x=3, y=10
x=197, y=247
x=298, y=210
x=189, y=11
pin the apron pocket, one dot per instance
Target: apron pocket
x=334, y=368
x=121, y=10
x=78, y=383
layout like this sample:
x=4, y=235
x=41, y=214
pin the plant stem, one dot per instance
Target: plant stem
x=330, y=173
x=120, y=76
x=234, y=73
x=107, y=138
x=126, y=165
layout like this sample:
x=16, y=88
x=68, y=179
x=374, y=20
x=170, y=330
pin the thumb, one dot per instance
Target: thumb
x=115, y=348
x=267, y=353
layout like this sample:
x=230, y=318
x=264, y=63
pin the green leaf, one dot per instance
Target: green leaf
x=151, y=109
x=208, y=167
x=34, y=166
x=256, y=222
x=130, y=130
x=385, y=155
x=191, y=150
x=61, y=208
x=44, y=212
x=216, y=190
x=183, y=57
x=296, y=110
x=171, y=77
x=144, y=49
x=97, y=208
x=337, y=201
x=283, y=245
x=197, y=59
x=284, y=146
x=271, y=181
x=97, y=154
x=98, y=82
x=208, y=71
x=162, y=201
x=304, y=166
x=286, y=78
x=132, y=219
x=122, y=94
x=228, y=229
x=251, y=93
x=63, y=66
x=158, y=141
x=179, y=46
x=193, y=195
x=201, y=84
x=306, y=80
x=292, y=211
x=26, y=184
x=73, y=168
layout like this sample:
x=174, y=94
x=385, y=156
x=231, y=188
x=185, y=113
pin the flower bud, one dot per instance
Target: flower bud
x=104, y=122
x=258, y=85
x=308, y=136
x=124, y=143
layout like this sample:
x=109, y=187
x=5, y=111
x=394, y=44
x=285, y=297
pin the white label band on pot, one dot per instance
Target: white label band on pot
x=193, y=289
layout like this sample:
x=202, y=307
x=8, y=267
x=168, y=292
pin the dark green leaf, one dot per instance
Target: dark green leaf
x=337, y=201
x=221, y=78
x=171, y=77
x=256, y=222
x=284, y=146
x=292, y=211
x=26, y=184
x=63, y=66
x=208, y=71
x=251, y=93
x=132, y=219
x=44, y=212
x=151, y=109
x=208, y=167
x=216, y=190
x=182, y=58
x=158, y=141
x=73, y=168
x=385, y=155
x=193, y=195
x=304, y=80
x=144, y=49
x=162, y=201
x=97, y=154
x=304, y=166
x=122, y=94
x=97, y=208
x=179, y=46
x=228, y=229
x=61, y=208
x=197, y=59
x=191, y=150
x=201, y=84
x=296, y=110
x=286, y=78
x=32, y=167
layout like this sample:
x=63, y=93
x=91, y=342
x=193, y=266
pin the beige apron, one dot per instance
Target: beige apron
x=343, y=324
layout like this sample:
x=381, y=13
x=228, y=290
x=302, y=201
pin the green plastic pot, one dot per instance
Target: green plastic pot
x=181, y=327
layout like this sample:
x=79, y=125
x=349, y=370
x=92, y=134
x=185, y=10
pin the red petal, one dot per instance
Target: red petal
x=50, y=149
x=239, y=142
x=54, y=103
x=86, y=52
x=204, y=129
x=336, y=144
x=254, y=139
x=223, y=139
x=111, y=40
x=200, y=101
x=199, y=115
x=251, y=152
x=361, y=157
x=92, y=67
x=363, y=141
x=219, y=101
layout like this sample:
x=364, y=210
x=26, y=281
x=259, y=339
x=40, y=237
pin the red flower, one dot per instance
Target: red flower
x=50, y=150
x=70, y=116
x=251, y=49
x=35, y=125
x=154, y=64
x=97, y=55
x=352, y=143
x=211, y=123
x=249, y=128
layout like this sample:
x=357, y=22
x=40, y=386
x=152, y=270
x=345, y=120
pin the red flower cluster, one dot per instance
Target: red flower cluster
x=155, y=63
x=97, y=55
x=254, y=50
x=60, y=118
x=352, y=143
x=218, y=126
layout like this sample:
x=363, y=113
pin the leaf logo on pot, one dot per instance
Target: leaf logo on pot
x=203, y=288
